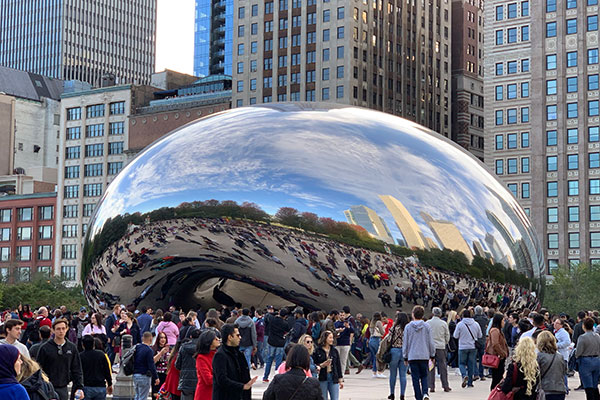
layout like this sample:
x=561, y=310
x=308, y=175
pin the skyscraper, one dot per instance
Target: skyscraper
x=213, y=37
x=392, y=56
x=448, y=235
x=368, y=219
x=81, y=40
x=549, y=160
x=406, y=224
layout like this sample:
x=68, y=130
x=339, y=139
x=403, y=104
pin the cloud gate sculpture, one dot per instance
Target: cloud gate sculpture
x=284, y=203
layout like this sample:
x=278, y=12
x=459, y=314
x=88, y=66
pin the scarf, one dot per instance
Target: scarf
x=8, y=357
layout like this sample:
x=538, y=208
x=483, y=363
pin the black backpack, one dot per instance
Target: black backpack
x=128, y=362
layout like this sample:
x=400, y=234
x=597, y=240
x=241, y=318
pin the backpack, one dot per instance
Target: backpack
x=128, y=362
x=315, y=331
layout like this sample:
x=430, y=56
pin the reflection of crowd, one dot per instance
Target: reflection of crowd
x=241, y=243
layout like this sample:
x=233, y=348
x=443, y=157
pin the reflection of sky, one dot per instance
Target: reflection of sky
x=322, y=162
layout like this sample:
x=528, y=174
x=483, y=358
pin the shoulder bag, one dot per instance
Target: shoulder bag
x=498, y=394
x=477, y=344
x=541, y=395
x=490, y=360
x=298, y=388
x=387, y=356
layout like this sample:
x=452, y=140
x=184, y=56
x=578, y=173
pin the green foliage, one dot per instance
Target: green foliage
x=573, y=289
x=44, y=291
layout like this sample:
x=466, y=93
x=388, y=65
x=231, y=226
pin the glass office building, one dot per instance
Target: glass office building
x=213, y=37
x=81, y=40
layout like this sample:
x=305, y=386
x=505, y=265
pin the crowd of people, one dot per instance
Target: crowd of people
x=211, y=354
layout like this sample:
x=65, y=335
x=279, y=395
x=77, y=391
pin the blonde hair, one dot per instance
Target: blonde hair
x=525, y=355
x=546, y=342
x=28, y=368
x=303, y=338
x=452, y=316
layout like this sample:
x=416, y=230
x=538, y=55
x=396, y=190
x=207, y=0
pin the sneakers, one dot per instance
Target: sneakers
x=475, y=378
x=482, y=379
x=359, y=369
x=425, y=396
x=381, y=376
x=464, y=382
x=265, y=381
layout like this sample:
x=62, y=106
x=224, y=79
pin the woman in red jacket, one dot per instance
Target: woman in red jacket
x=208, y=342
x=172, y=379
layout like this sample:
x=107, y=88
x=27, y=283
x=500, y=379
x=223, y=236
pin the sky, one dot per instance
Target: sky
x=175, y=36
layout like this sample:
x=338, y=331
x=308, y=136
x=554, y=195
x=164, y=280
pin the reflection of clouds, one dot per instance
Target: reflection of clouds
x=321, y=162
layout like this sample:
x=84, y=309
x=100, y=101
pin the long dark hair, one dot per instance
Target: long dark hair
x=497, y=321
x=376, y=317
x=98, y=317
x=173, y=354
x=323, y=338
x=205, y=341
x=401, y=320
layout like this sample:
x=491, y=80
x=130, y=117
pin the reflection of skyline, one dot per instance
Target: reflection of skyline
x=413, y=237
x=448, y=235
x=368, y=219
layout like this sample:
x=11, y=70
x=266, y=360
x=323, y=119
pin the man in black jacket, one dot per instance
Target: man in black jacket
x=60, y=360
x=278, y=328
x=186, y=364
x=231, y=375
x=97, y=379
x=111, y=320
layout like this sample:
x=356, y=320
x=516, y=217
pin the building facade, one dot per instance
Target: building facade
x=213, y=37
x=467, y=75
x=26, y=236
x=390, y=56
x=551, y=161
x=81, y=40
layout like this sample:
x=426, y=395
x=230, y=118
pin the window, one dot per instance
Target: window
x=594, y=239
x=268, y=7
x=499, y=117
x=499, y=92
x=25, y=214
x=511, y=141
x=550, y=61
x=553, y=240
x=296, y=21
x=71, y=191
x=117, y=108
x=551, y=138
x=511, y=166
x=499, y=69
x=573, y=240
x=116, y=128
x=254, y=28
x=240, y=49
x=68, y=272
x=573, y=214
x=513, y=189
x=74, y=133
x=552, y=189
x=592, y=23
x=594, y=186
x=46, y=213
x=593, y=82
x=253, y=47
x=499, y=37
x=339, y=92
x=525, y=139
x=525, y=65
x=23, y=274
x=525, y=8
x=325, y=93
x=340, y=52
x=571, y=110
x=45, y=252
x=72, y=172
x=4, y=234
x=93, y=169
x=69, y=231
x=551, y=114
x=240, y=86
x=572, y=136
x=241, y=12
x=499, y=13
x=115, y=167
x=571, y=59
x=70, y=211
x=283, y=5
x=571, y=4
x=268, y=64
x=550, y=29
x=268, y=26
x=499, y=142
x=511, y=91
x=571, y=26
x=525, y=165
x=512, y=67
x=73, y=114
x=4, y=253
x=92, y=189
x=551, y=87
x=512, y=10
x=5, y=215
x=573, y=188
x=551, y=163
x=511, y=116
x=72, y=152
x=325, y=54
x=512, y=35
x=94, y=150
x=45, y=271
x=572, y=84
x=552, y=215
x=340, y=72
x=594, y=213
x=115, y=148
x=593, y=134
x=88, y=209
x=550, y=5
x=525, y=190
x=93, y=111
x=524, y=89
x=594, y=160
x=45, y=232
x=326, y=15
x=340, y=32
x=24, y=233
x=499, y=167
x=69, y=251
x=23, y=253
x=593, y=108
x=241, y=31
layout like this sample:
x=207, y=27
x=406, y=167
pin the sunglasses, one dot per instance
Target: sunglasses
x=309, y=341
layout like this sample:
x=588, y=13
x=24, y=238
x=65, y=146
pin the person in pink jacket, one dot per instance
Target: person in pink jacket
x=169, y=328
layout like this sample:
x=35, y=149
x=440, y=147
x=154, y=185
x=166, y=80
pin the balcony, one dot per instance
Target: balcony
x=219, y=4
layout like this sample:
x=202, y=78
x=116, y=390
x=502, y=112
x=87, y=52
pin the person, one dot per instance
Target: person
x=186, y=364
x=483, y=322
x=467, y=332
x=12, y=328
x=129, y=326
x=441, y=337
x=35, y=382
x=522, y=374
x=169, y=328
x=95, y=327
x=563, y=344
x=276, y=341
x=10, y=367
x=397, y=366
x=587, y=353
x=172, y=379
x=496, y=345
x=60, y=360
x=208, y=343
x=299, y=325
x=259, y=325
x=327, y=359
x=97, y=378
x=307, y=341
x=79, y=324
x=553, y=367
x=345, y=332
x=231, y=375
x=113, y=340
x=44, y=333
x=385, y=298
x=144, y=370
x=417, y=349
x=145, y=319
x=248, y=343
x=294, y=384
x=377, y=331
x=161, y=359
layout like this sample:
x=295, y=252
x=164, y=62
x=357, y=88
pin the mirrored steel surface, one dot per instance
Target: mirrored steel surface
x=282, y=203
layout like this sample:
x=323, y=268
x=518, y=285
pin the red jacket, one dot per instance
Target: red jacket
x=204, y=371
x=172, y=379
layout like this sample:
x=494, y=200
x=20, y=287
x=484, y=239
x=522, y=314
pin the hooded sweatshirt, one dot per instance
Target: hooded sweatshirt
x=10, y=389
x=418, y=342
x=466, y=339
x=247, y=330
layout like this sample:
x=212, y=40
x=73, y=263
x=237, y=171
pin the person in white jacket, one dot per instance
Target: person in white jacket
x=563, y=343
x=441, y=337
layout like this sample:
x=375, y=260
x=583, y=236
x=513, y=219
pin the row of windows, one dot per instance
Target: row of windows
x=525, y=190
x=511, y=91
x=572, y=84
x=295, y=77
x=574, y=240
x=512, y=35
x=23, y=274
x=572, y=136
x=93, y=150
x=45, y=213
x=572, y=110
x=512, y=166
x=24, y=253
x=511, y=116
x=551, y=60
x=310, y=95
x=72, y=171
x=573, y=214
x=25, y=233
x=511, y=67
x=573, y=188
x=89, y=190
x=511, y=11
x=572, y=162
x=283, y=5
x=570, y=4
x=96, y=110
x=268, y=44
x=72, y=210
x=96, y=130
x=69, y=251
x=512, y=141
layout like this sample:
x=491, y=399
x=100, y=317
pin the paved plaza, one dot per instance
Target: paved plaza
x=363, y=386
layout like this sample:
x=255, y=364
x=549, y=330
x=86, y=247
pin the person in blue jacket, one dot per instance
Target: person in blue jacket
x=10, y=367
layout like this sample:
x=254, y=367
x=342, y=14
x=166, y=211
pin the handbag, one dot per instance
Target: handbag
x=477, y=344
x=498, y=394
x=387, y=356
x=490, y=361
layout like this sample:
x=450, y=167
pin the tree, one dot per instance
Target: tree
x=288, y=216
x=573, y=289
x=41, y=292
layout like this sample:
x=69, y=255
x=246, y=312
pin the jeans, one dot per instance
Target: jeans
x=260, y=348
x=397, y=366
x=419, y=372
x=331, y=387
x=479, y=364
x=467, y=361
x=94, y=393
x=247, y=350
x=266, y=350
x=555, y=396
x=440, y=362
x=141, y=384
x=275, y=353
x=589, y=371
x=343, y=350
x=373, y=347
